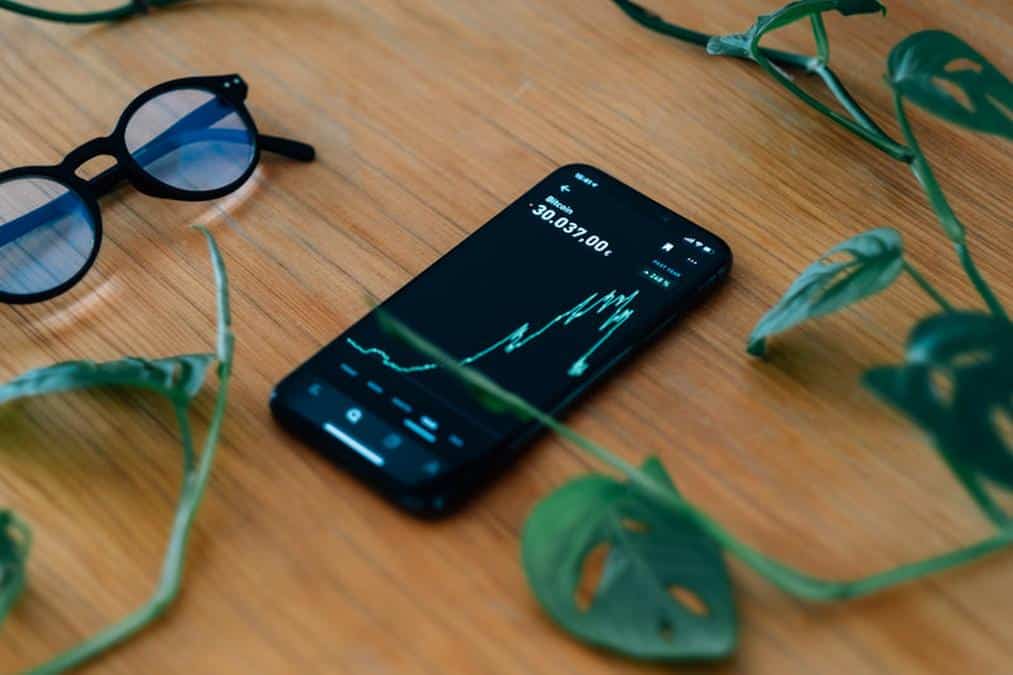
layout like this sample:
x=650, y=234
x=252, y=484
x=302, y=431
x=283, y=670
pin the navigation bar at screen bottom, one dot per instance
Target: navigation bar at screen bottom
x=364, y=433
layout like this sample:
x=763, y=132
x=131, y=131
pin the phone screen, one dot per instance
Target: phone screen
x=544, y=299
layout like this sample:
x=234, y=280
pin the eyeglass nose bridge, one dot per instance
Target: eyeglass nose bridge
x=97, y=147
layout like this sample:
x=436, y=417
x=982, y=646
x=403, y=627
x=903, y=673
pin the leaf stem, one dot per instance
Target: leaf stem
x=820, y=37
x=186, y=438
x=652, y=21
x=937, y=199
x=984, y=290
x=978, y=493
x=774, y=60
x=893, y=148
x=865, y=128
x=923, y=172
x=927, y=287
x=165, y=592
x=785, y=577
x=194, y=485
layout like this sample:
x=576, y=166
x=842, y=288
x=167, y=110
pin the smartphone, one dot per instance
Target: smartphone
x=546, y=299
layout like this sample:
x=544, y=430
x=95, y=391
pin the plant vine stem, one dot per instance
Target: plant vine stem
x=984, y=290
x=927, y=287
x=165, y=593
x=194, y=485
x=893, y=148
x=952, y=226
x=820, y=37
x=169, y=584
x=186, y=439
x=773, y=61
x=864, y=128
x=788, y=579
x=652, y=21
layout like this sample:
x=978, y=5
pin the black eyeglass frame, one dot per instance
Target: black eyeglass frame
x=126, y=10
x=230, y=87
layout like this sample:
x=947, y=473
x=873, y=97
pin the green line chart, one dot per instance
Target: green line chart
x=614, y=306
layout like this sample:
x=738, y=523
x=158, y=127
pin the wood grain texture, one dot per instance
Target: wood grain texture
x=429, y=116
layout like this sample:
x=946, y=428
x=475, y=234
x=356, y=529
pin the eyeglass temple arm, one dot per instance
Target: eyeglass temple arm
x=199, y=120
x=110, y=179
x=286, y=147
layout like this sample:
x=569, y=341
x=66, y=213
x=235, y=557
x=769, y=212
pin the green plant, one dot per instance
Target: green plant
x=178, y=379
x=15, y=541
x=663, y=593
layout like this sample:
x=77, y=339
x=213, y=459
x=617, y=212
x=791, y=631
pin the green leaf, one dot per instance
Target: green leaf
x=746, y=45
x=664, y=592
x=15, y=541
x=178, y=378
x=876, y=258
x=957, y=384
x=941, y=73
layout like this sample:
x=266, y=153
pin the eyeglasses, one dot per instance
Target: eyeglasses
x=190, y=140
x=113, y=10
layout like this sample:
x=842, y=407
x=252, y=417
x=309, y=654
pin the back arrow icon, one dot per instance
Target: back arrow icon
x=565, y=188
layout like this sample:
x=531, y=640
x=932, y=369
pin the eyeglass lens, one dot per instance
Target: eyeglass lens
x=191, y=139
x=47, y=235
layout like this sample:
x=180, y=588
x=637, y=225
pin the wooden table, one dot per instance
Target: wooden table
x=429, y=117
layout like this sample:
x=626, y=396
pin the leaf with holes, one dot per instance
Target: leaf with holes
x=15, y=540
x=747, y=44
x=663, y=592
x=875, y=259
x=941, y=73
x=957, y=384
x=178, y=378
